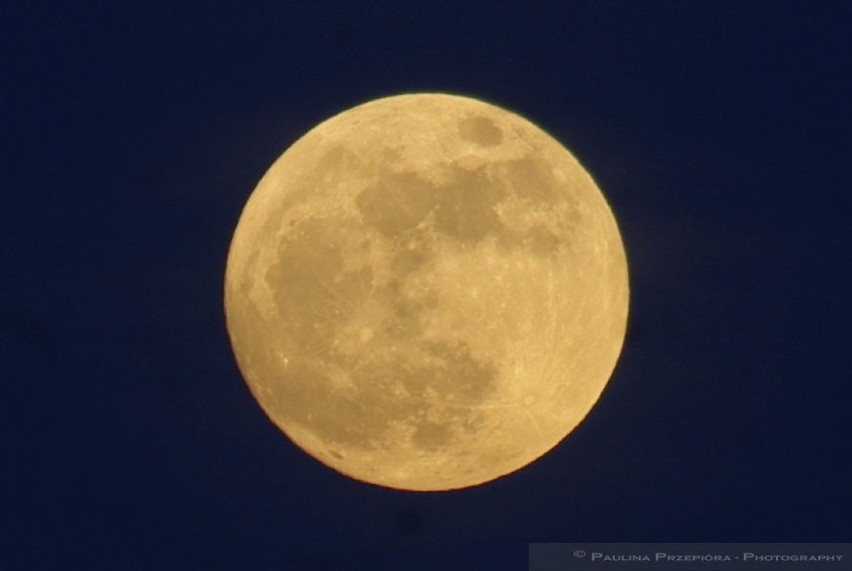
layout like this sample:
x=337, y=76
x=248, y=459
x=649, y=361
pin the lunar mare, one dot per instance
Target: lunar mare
x=426, y=292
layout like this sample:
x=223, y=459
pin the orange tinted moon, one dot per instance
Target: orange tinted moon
x=426, y=292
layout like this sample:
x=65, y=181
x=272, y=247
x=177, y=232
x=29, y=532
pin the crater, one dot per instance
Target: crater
x=480, y=131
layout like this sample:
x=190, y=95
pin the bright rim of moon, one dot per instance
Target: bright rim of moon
x=426, y=292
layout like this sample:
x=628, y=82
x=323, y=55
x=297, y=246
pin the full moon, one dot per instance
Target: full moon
x=426, y=292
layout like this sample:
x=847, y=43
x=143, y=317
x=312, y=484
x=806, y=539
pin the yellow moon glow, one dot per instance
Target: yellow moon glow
x=426, y=292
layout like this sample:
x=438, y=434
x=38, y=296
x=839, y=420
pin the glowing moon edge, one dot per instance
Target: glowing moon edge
x=426, y=292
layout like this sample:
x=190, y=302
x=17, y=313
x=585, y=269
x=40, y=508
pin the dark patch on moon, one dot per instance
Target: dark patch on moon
x=541, y=241
x=481, y=131
x=411, y=257
x=530, y=178
x=397, y=204
x=431, y=436
x=464, y=208
x=306, y=396
x=335, y=162
x=448, y=374
x=451, y=372
x=458, y=377
x=312, y=292
x=330, y=168
x=408, y=309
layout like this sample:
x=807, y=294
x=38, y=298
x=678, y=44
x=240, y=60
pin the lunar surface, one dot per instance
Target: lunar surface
x=426, y=292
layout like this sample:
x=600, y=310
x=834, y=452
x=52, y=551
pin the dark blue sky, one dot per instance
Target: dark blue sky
x=720, y=132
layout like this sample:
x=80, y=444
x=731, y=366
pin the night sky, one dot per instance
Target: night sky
x=721, y=134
